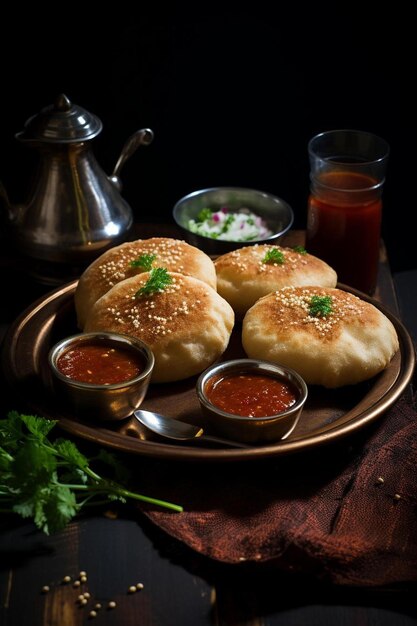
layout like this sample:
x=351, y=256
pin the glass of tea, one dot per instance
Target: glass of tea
x=347, y=173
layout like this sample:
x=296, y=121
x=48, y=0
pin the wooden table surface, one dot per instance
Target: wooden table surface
x=179, y=586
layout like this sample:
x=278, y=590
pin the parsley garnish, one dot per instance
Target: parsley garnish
x=300, y=249
x=228, y=222
x=320, y=306
x=50, y=481
x=205, y=214
x=144, y=262
x=157, y=281
x=274, y=256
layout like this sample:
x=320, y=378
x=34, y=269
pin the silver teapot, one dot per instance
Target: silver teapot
x=76, y=211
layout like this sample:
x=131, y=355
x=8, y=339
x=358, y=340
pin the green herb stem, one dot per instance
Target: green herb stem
x=118, y=491
x=50, y=481
x=163, y=503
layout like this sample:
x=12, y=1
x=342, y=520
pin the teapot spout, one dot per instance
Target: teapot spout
x=141, y=137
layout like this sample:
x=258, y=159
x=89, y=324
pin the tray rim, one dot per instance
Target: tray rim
x=155, y=449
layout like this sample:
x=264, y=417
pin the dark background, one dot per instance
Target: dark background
x=233, y=96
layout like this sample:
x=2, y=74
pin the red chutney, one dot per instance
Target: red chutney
x=250, y=395
x=100, y=364
x=344, y=224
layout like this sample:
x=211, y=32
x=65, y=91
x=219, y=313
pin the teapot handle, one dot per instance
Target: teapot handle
x=140, y=137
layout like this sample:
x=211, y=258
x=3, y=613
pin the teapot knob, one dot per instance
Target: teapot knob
x=62, y=103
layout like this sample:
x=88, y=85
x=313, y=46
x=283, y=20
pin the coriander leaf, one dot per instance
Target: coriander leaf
x=300, y=249
x=33, y=464
x=69, y=451
x=37, y=427
x=144, y=262
x=25, y=508
x=204, y=214
x=51, y=481
x=59, y=507
x=321, y=306
x=51, y=507
x=274, y=256
x=158, y=280
x=11, y=430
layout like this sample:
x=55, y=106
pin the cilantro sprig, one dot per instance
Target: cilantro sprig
x=158, y=280
x=274, y=256
x=300, y=249
x=144, y=261
x=321, y=306
x=204, y=214
x=50, y=481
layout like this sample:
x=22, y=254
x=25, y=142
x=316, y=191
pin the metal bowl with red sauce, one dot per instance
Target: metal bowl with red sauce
x=102, y=376
x=250, y=400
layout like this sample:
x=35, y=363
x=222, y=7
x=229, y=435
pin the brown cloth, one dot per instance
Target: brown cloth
x=345, y=512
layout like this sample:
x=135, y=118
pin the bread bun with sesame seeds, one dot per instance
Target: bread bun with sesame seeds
x=115, y=265
x=187, y=325
x=246, y=274
x=331, y=337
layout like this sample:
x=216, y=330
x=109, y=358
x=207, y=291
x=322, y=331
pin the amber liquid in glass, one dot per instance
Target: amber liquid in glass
x=344, y=227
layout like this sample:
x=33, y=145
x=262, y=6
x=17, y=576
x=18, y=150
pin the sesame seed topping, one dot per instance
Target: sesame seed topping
x=157, y=314
x=250, y=261
x=118, y=264
x=292, y=307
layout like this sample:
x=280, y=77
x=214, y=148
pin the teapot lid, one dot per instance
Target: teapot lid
x=61, y=122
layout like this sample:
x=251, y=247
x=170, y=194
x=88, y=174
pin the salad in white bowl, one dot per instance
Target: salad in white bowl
x=227, y=225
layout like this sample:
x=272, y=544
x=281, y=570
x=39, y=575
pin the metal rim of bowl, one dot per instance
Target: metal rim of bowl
x=121, y=339
x=200, y=192
x=244, y=366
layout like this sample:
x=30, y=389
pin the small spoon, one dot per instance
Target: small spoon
x=181, y=431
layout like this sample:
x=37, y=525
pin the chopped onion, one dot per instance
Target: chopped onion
x=231, y=226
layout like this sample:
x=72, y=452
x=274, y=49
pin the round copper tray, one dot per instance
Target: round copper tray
x=328, y=414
